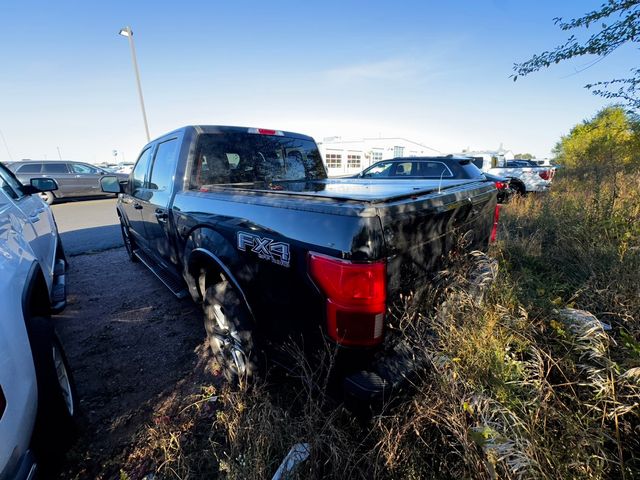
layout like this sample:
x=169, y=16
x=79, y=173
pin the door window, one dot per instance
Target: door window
x=10, y=184
x=140, y=172
x=55, y=168
x=84, y=169
x=379, y=170
x=162, y=171
x=403, y=169
x=30, y=168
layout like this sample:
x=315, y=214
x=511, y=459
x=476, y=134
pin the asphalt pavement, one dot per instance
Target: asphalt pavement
x=88, y=225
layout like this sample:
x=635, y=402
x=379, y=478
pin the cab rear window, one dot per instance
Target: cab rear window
x=30, y=168
x=237, y=158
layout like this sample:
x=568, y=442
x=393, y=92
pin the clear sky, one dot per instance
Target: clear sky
x=431, y=71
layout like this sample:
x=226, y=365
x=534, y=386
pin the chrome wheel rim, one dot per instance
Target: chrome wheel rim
x=228, y=343
x=63, y=380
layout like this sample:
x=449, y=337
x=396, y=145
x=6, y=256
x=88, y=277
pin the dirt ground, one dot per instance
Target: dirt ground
x=130, y=344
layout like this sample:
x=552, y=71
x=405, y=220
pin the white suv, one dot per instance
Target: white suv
x=37, y=398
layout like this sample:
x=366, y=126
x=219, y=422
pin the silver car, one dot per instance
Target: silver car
x=75, y=179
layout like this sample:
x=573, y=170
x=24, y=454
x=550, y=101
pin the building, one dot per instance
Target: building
x=348, y=157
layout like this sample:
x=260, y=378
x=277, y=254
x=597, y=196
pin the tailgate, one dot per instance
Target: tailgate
x=420, y=230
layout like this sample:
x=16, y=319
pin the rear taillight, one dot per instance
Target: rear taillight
x=545, y=174
x=501, y=185
x=356, y=298
x=3, y=403
x=494, y=229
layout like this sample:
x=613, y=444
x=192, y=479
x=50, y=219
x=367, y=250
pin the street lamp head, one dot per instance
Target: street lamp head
x=126, y=32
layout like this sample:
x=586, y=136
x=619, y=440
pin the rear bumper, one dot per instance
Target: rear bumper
x=384, y=379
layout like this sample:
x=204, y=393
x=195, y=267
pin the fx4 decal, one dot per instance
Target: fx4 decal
x=265, y=248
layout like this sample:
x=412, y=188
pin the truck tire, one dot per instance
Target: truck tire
x=229, y=333
x=55, y=427
x=129, y=242
x=518, y=188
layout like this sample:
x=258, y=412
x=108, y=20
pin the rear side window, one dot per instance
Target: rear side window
x=164, y=167
x=433, y=170
x=140, y=171
x=241, y=158
x=30, y=168
x=55, y=168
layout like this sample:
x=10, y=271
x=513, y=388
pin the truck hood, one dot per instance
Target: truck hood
x=365, y=190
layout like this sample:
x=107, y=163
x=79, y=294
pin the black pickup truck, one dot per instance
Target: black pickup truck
x=246, y=221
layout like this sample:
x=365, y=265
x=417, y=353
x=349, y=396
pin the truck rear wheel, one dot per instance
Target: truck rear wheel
x=229, y=333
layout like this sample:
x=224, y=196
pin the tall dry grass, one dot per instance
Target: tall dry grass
x=510, y=385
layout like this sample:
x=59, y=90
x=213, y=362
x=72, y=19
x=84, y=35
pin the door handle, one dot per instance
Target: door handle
x=161, y=215
x=137, y=206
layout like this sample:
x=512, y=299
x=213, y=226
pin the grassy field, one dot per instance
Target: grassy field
x=512, y=386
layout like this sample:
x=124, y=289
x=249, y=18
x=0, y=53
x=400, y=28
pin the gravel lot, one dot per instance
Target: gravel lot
x=129, y=342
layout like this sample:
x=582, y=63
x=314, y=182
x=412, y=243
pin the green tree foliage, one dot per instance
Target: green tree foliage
x=616, y=22
x=525, y=156
x=610, y=140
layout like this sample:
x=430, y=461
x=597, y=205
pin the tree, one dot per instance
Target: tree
x=525, y=156
x=619, y=23
x=609, y=141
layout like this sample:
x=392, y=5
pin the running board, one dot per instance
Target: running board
x=173, y=283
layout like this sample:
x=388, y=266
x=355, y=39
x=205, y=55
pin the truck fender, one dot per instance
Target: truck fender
x=122, y=217
x=35, y=296
x=199, y=252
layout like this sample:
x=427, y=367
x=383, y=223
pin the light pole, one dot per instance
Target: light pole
x=127, y=32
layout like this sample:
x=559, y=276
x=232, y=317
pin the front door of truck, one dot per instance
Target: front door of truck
x=155, y=213
x=133, y=202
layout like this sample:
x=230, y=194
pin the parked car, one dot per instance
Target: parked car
x=37, y=399
x=74, y=179
x=525, y=175
x=246, y=222
x=124, y=167
x=503, y=185
x=442, y=167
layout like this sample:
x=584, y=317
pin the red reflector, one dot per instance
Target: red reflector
x=265, y=131
x=545, y=175
x=501, y=185
x=356, y=298
x=494, y=229
x=3, y=403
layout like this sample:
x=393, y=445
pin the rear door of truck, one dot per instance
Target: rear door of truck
x=156, y=203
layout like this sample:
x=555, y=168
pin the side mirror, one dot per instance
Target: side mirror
x=110, y=184
x=43, y=184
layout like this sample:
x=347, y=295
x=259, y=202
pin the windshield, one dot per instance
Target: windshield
x=232, y=158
